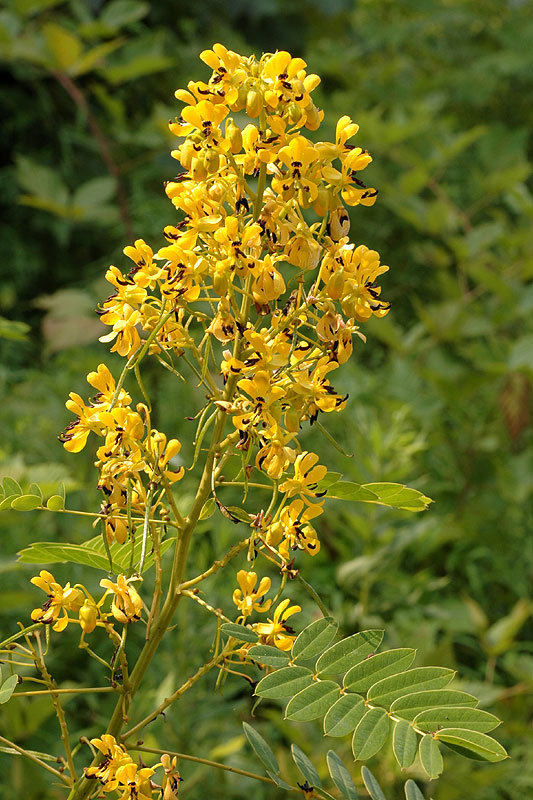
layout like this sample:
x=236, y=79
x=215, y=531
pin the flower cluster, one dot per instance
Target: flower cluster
x=118, y=772
x=258, y=290
x=126, y=604
x=130, y=449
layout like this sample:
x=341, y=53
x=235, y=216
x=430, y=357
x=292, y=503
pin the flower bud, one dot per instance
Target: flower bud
x=336, y=284
x=234, y=134
x=186, y=153
x=254, y=103
x=88, y=615
x=294, y=112
x=312, y=117
x=198, y=169
x=211, y=161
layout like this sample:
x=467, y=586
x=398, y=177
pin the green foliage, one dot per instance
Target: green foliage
x=441, y=95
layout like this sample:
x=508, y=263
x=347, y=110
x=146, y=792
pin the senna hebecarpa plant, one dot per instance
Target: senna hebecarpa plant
x=257, y=295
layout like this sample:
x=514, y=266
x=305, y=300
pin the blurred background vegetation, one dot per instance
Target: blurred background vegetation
x=440, y=397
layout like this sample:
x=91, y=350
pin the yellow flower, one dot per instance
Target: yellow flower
x=299, y=535
x=275, y=632
x=248, y=598
x=127, y=605
x=61, y=600
x=306, y=476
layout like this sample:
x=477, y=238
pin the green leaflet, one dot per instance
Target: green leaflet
x=340, y=776
x=7, y=688
x=261, y=748
x=314, y=639
x=285, y=682
x=361, y=677
x=430, y=756
x=472, y=719
x=412, y=792
x=55, y=503
x=239, y=632
x=91, y=554
x=472, y=744
x=348, y=652
x=374, y=789
x=396, y=495
x=279, y=781
x=347, y=490
x=393, y=495
x=313, y=701
x=11, y=486
x=271, y=656
x=344, y=715
x=404, y=743
x=386, y=691
x=371, y=734
x=27, y=502
x=413, y=704
x=304, y=765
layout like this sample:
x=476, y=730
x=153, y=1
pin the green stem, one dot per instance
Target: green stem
x=36, y=760
x=198, y=760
